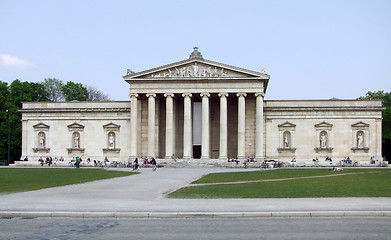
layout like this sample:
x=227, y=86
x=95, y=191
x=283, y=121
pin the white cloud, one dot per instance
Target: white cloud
x=11, y=61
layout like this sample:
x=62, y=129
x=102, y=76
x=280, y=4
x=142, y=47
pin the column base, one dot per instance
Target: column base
x=205, y=158
x=223, y=158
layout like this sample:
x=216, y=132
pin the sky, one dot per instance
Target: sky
x=311, y=49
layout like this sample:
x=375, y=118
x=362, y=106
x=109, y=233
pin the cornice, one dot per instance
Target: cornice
x=72, y=110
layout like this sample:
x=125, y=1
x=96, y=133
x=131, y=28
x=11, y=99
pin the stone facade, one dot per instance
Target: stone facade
x=161, y=120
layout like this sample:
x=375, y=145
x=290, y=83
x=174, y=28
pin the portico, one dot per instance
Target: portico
x=223, y=92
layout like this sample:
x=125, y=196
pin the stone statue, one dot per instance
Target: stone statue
x=195, y=69
x=111, y=141
x=76, y=142
x=42, y=140
x=323, y=140
x=286, y=140
x=360, y=140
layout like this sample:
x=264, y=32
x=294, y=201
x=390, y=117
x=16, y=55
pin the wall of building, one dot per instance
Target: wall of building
x=305, y=120
x=92, y=120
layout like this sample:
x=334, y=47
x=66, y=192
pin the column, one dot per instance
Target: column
x=379, y=139
x=259, y=134
x=241, y=126
x=169, y=125
x=223, y=126
x=205, y=126
x=187, y=129
x=151, y=124
x=133, y=125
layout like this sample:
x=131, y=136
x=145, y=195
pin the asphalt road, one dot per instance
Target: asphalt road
x=196, y=228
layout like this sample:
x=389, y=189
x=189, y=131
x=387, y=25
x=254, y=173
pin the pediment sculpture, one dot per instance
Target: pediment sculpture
x=192, y=70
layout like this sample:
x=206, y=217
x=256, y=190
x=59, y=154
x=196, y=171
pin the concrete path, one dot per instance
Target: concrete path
x=143, y=195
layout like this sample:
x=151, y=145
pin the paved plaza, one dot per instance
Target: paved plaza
x=145, y=195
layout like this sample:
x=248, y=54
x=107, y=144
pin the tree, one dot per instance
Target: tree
x=386, y=122
x=20, y=92
x=96, y=95
x=4, y=95
x=26, y=92
x=75, y=91
x=53, y=87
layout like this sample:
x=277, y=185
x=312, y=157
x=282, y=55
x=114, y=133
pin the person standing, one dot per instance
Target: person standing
x=78, y=160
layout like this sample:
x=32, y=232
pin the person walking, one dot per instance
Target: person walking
x=153, y=162
x=135, y=164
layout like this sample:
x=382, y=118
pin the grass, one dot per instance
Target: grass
x=368, y=183
x=28, y=179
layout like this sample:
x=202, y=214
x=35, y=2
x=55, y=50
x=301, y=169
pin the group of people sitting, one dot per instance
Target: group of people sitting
x=48, y=160
x=146, y=161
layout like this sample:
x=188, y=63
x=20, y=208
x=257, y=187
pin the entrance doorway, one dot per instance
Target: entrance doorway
x=196, y=151
x=197, y=129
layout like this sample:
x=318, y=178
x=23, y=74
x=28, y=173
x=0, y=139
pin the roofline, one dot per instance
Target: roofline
x=200, y=60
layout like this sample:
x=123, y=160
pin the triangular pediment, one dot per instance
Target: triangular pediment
x=324, y=125
x=360, y=125
x=195, y=68
x=111, y=126
x=76, y=126
x=41, y=126
x=286, y=125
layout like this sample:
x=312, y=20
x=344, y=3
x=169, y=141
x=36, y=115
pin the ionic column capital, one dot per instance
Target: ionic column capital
x=187, y=95
x=131, y=95
x=151, y=95
x=205, y=94
x=241, y=94
x=223, y=94
x=169, y=95
x=260, y=94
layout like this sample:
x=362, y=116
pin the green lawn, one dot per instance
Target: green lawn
x=27, y=179
x=368, y=183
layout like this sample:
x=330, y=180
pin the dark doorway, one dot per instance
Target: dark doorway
x=196, y=151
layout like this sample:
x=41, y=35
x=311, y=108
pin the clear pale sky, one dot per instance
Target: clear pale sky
x=311, y=49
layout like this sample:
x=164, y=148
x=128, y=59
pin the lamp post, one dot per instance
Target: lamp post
x=9, y=137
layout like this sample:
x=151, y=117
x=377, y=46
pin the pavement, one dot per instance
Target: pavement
x=144, y=195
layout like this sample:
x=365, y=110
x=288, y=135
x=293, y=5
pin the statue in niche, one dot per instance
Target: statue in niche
x=286, y=140
x=111, y=141
x=360, y=140
x=323, y=140
x=76, y=140
x=42, y=140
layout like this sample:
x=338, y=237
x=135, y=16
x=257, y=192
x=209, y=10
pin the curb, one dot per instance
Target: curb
x=22, y=214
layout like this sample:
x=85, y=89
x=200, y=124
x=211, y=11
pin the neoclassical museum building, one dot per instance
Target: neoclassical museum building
x=201, y=110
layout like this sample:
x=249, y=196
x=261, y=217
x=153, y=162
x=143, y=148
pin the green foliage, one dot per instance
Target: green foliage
x=365, y=183
x=4, y=96
x=26, y=92
x=12, y=97
x=75, y=91
x=53, y=87
x=27, y=179
x=386, y=122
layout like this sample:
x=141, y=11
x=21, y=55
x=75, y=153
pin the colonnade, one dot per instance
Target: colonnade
x=187, y=125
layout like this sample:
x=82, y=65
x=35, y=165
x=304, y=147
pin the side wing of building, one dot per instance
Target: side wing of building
x=337, y=129
x=69, y=129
